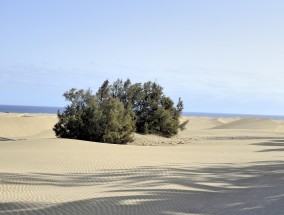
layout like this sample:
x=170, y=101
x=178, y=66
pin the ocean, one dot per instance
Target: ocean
x=29, y=109
x=53, y=110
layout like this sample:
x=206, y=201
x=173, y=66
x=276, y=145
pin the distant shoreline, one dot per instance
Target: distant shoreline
x=229, y=115
x=29, y=109
x=53, y=110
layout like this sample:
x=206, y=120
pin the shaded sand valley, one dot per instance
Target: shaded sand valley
x=215, y=166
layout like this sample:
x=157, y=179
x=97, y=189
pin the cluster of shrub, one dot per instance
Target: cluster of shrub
x=117, y=110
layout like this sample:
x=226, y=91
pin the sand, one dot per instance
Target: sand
x=215, y=166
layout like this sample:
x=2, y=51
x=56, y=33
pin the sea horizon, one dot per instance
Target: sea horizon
x=54, y=110
x=30, y=109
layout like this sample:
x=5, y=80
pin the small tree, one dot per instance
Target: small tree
x=155, y=113
x=116, y=122
x=94, y=118
x=116, y=111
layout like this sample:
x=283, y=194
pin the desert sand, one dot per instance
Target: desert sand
x=215, y=166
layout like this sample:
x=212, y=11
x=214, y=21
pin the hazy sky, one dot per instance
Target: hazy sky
x=218, y=55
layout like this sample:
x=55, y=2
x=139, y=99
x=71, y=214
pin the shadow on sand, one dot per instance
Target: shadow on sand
x=272, y=143
x=256, y=188
x=5, y=139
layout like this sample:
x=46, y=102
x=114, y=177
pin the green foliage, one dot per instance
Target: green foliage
x=116, y=111
x=117, y=121
x=92, y=118
x=155, y=113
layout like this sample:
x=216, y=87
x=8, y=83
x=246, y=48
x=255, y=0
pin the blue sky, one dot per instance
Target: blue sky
x=218, y=56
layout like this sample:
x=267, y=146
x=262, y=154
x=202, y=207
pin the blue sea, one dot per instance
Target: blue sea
x=53, y=110
x=29, y=109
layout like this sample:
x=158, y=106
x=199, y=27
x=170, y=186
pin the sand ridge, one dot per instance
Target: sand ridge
x=26, y=125
x=251, y=123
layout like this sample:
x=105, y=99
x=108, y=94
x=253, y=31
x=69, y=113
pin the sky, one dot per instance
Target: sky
x=219, y=56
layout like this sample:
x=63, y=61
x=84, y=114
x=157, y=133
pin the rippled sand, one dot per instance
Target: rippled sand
x=216, y=166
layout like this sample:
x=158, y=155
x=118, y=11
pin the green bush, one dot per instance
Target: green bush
x=93, y=119
x=155, y=113
x=116, y=111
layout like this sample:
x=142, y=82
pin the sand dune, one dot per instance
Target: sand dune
x=26, y=125
x=251, y=123
x=234, y=170
x=197, y=123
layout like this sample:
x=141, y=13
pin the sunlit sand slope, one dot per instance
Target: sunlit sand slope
x=251, y=123
x=26, y=125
